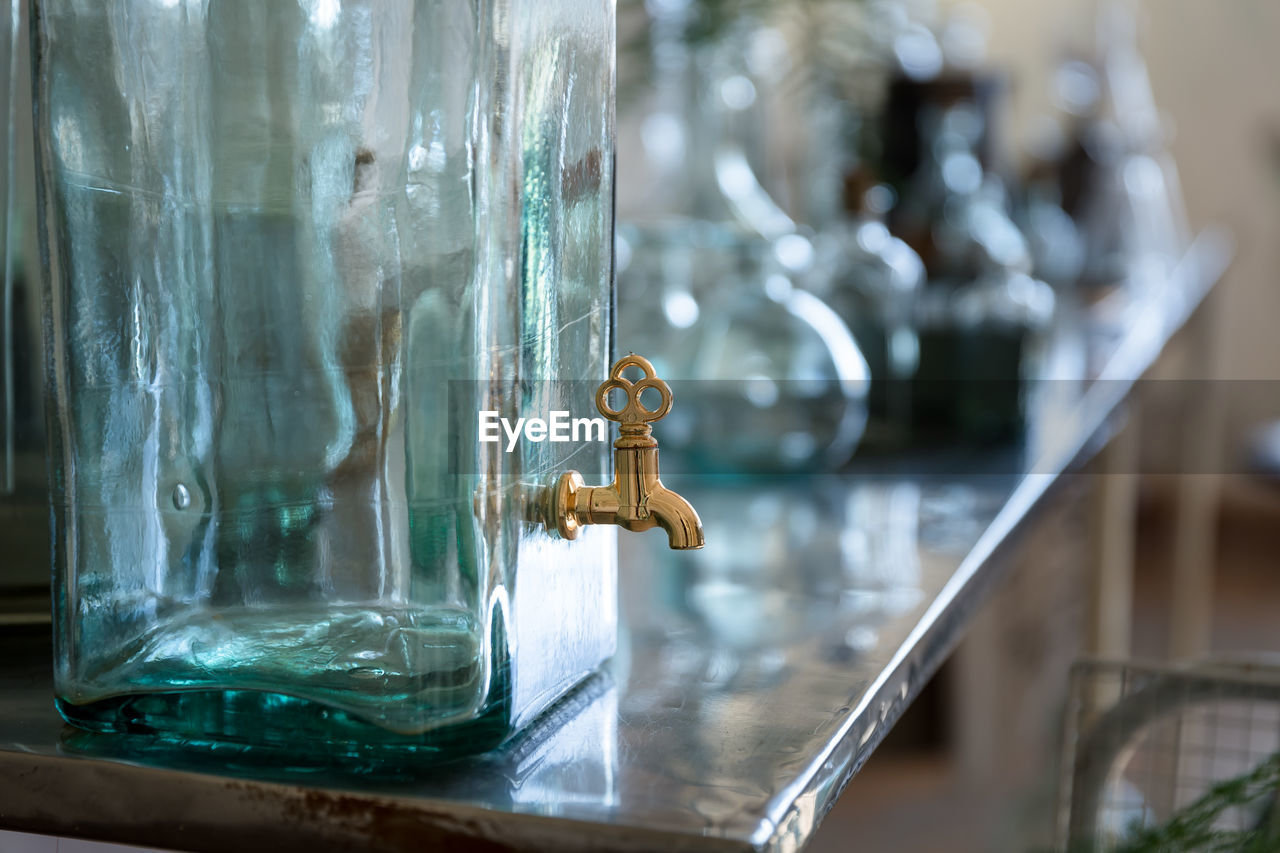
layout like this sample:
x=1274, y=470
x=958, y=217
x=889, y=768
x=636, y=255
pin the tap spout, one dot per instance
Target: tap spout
x=678, y=518
x=634, y=504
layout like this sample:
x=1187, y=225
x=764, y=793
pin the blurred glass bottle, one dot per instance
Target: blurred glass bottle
x=873, y=279
x=868, y=276
x=294, y=249
x=1117, y=178
x=982, y=317
x=24, y=501
x=709, y=262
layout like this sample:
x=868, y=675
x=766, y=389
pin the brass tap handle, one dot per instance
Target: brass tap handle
x=636, y=499
x=634, y=416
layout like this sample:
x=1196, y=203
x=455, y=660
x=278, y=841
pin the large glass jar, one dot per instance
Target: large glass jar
x=294, y=249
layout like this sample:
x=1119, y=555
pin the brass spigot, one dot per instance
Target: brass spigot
x=636, y=499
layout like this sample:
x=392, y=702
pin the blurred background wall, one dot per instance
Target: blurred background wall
x=1214, y=69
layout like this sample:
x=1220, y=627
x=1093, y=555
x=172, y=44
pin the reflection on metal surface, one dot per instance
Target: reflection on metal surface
x=748, y=658
x=789, y=564
x=636, y=500
x=737, y=666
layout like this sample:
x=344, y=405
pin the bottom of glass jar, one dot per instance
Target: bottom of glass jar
x=268, y=729
x=370, y=685
x=405, y=670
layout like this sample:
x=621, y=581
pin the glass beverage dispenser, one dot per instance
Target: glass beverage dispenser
x=293, y=250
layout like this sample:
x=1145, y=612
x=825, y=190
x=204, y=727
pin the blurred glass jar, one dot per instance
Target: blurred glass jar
x=771, y=379
x=294, y=249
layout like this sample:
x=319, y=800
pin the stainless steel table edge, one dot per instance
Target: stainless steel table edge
x=213, y=814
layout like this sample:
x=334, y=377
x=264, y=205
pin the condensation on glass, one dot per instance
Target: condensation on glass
x=294, y=248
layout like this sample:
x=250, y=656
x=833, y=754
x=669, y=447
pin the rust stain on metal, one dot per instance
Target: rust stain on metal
x=375, y=824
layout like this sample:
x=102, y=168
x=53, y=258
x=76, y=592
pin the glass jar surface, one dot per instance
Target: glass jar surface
x=293, y=250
